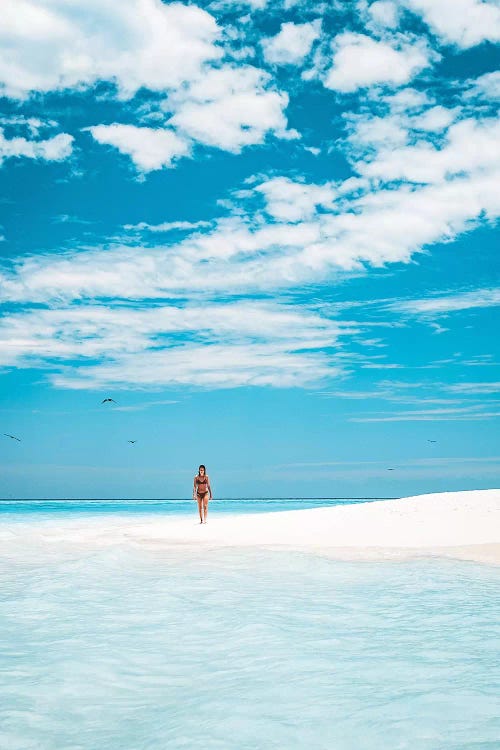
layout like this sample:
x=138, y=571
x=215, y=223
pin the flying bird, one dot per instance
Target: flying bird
x=12, y=437
x=432, y=441
x=132, y=441
x=391, y=469
x=106, y=400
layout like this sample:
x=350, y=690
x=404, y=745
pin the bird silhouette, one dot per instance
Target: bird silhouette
x=12, y=437
x=106, y=400
x=132, y=441
x=432, y=441
x=391, y=469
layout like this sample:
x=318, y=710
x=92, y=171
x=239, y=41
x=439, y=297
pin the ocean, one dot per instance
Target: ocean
x=41, y=509
x=135, y=646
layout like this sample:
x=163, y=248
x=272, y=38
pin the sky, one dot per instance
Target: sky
x=267, y=229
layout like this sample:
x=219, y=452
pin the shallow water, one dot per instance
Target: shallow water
x=135, y=648
x=48, y=509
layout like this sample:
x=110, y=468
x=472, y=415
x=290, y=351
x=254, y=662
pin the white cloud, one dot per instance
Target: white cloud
x=292, y=44
x=244, y=343
x=407, y=101
x=453, y=398
x=229, y=108
x=314, y=150
x=450, y=302
x=282, y=233
x=135, y=44
x=318, y=230
x=462, y=414
x=69, y=219
x=207, y=365
x=33, y=125
x=366, y=225
x=434, y=119
x=292, y=201
x=378, y=132
x=149, y=148
x=384, y=13
x=487, y=86
x=471, y=146
x=243, y=4
x=406, y=118
x=57, y=148
x=360, y=61
x=167, y=226
x=461, y=22
x=172, y=48
x=476, y=388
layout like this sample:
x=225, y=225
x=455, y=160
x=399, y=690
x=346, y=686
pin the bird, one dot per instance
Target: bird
x=12, y=437
x=391, y=469
x=432, y=441
x=106, y=400
x=132, y=441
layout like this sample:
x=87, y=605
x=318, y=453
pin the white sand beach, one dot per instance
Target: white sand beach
x=461, y=525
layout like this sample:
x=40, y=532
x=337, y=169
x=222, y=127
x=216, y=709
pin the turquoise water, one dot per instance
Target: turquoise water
x=139, y=648
x=21, y=509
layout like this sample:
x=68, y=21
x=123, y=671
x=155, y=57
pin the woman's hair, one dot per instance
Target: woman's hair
x=202, y=466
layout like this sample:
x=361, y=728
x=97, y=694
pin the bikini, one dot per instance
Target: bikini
x=201, y=481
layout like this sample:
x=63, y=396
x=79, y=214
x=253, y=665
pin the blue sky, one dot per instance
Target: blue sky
x=268, y=230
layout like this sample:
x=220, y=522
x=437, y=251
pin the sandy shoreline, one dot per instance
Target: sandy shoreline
x=459, y=525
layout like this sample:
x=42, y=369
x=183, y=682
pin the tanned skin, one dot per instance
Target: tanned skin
x=202, y=498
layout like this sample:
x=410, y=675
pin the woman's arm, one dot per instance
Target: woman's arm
x=209, y=488
x=194, y=488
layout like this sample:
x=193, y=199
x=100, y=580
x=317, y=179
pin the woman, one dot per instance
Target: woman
x=202, y=492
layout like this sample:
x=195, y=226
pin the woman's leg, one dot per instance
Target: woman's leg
x=200, y=507
x=205, y=506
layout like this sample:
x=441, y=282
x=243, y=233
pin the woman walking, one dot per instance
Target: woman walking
x=202, y=492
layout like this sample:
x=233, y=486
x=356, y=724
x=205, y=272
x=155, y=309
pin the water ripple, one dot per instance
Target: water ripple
x=128, y=648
